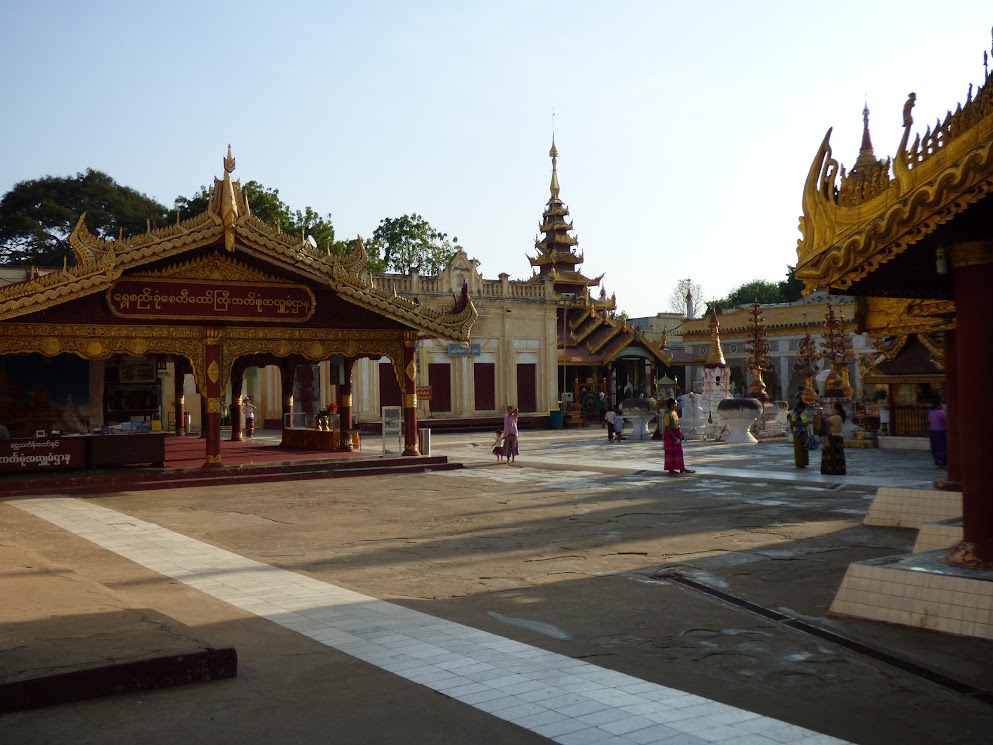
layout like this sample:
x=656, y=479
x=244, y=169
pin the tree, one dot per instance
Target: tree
x=791, y=288
x=270, y=209
x=677, y=299
x=36, y=217
x=759, y=290
x=410, y=241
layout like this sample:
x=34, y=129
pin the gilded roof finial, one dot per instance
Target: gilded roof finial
x=554, y=154
x=229, y=206
x=866, y=156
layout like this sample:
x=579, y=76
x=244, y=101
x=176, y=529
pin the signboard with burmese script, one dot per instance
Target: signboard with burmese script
x=41, y=454
x=200, y=299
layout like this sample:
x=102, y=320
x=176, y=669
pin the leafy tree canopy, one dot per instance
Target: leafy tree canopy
x=409, y=241
x=270, y=209
x=785, y=291
x=37, y=216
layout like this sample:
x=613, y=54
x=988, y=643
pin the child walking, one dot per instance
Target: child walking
x=498, y=445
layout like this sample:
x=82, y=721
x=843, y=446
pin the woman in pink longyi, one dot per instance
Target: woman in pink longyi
x=672, y=439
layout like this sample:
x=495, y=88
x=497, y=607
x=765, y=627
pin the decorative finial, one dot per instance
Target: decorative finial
x=554, y=154
x=229, y=161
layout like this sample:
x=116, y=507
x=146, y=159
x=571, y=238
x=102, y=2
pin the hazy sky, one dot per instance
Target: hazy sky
x=685, y=130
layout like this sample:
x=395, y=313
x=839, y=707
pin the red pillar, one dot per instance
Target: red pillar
x=952, y=408
x=345, y=403
x=212, y=424
x=973, y=277
x=409, y=398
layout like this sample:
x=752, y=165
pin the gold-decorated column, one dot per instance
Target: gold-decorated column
x=409, y=398
x=212, y=424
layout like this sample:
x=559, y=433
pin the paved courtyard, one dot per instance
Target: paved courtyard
x=561, y=598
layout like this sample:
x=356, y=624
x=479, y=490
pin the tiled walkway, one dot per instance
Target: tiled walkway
x=566, y=700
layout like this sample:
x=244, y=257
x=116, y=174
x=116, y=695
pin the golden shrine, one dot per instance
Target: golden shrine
x=219, y=293
x=913, y=237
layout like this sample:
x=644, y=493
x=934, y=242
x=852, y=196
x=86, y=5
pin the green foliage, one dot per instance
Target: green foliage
x=270, y=209
x=401, y=243
x=37, y=216
x=786, y=291
x=791, y=287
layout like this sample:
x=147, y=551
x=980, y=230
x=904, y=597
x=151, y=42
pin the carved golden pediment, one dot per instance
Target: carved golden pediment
x=878, y=316
x=849, y=231
x=212, y=267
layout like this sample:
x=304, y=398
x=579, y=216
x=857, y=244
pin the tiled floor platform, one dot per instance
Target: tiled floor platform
x=918, y=590
x=566, y=700
x=912, y=508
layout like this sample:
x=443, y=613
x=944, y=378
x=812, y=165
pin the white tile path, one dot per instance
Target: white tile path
x=566, y=700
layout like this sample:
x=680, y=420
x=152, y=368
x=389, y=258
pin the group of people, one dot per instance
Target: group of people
x=804, y=440
x=613, y=419
x=505, y=446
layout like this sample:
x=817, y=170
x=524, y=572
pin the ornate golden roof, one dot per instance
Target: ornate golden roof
x=854, y=223
x=557, y=258
x=228, y=220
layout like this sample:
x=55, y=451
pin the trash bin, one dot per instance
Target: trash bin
x=187, y=422
x=424, y=441
x=556, y=419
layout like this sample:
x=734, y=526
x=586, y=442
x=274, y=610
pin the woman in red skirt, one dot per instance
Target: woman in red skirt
x=672, y=439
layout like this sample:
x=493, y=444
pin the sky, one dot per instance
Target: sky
x=685, y=130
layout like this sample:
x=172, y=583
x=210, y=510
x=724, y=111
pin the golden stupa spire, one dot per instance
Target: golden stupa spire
x=715, y=355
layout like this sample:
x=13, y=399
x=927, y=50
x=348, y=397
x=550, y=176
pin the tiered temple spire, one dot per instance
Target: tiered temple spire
x=557, y=258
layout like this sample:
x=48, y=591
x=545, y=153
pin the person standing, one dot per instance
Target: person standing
x=248, y=411
x=937, y=430
x=833, y=454
x=619, y=424
x=672, y=440
x=800, y=428
x=610, y=417
x=510, y=434
x=602, y=406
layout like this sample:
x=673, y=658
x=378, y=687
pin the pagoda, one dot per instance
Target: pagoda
x=557, y=257
x=599, y=351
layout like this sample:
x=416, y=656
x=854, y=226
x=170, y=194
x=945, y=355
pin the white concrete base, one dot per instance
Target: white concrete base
x=939, y=536
x=917, y=590
x=904, y=443
x=912, y=508
x=738, y=415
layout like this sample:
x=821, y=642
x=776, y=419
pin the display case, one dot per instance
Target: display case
x=132, y=399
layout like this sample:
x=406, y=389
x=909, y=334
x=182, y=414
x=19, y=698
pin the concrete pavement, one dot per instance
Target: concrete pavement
x=570, y=552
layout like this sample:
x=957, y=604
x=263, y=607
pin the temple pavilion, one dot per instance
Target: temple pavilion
x=209, y=299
